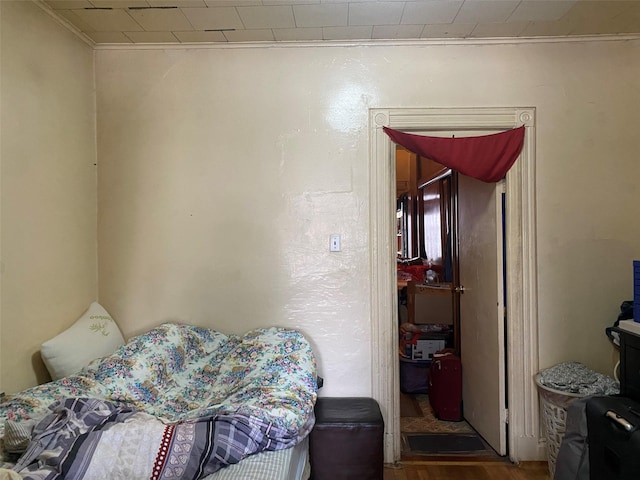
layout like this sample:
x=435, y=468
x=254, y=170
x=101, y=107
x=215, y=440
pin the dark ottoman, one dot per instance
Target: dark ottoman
x=347, y=439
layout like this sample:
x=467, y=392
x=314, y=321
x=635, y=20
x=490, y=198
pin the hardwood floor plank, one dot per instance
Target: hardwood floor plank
x=452, y=470
x=486, y=466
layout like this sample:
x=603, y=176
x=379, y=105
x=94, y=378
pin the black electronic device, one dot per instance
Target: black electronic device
x=629, y=364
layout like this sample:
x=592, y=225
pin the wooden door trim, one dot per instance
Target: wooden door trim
x=521, y=275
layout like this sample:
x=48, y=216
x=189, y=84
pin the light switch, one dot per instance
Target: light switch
x=334, y=243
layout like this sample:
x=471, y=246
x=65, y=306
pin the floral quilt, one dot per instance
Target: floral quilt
x=262, y=383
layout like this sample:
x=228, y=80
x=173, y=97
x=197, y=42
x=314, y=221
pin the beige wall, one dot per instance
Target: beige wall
x=48, y=187
x=223, y=171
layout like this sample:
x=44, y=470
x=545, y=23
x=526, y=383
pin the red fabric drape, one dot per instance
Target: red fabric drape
x=487, y=157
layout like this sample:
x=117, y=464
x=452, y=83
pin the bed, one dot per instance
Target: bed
x=176, y=402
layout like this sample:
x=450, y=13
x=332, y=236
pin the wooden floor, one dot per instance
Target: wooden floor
x=466, y=470
x=488, y=466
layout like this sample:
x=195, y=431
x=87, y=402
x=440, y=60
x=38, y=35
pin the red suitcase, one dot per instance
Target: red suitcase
x=445, y=385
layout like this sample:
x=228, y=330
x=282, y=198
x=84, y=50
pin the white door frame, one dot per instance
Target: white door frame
x=524, y=441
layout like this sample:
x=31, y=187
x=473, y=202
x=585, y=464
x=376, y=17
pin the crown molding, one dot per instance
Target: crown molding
x=65, y=23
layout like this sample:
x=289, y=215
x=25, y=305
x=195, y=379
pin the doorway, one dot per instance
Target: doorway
x=521, y=307
x=457, y=248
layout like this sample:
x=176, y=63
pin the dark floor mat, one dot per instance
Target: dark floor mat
x=444, y=443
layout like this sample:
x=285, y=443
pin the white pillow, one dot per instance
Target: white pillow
x=95, y=334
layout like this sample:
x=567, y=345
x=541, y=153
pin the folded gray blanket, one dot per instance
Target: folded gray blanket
x=574, y=377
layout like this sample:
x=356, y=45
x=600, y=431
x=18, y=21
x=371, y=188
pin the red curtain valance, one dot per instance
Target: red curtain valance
x=487, y=157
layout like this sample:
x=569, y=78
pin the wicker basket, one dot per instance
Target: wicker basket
x=554, y=405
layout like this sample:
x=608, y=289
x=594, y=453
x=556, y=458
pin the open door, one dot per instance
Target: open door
x=482, y=309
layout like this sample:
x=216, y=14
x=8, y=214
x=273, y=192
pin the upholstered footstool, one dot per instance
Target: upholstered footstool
x=347, y=439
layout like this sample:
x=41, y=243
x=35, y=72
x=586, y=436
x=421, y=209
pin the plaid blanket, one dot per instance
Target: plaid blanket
x=91, y=438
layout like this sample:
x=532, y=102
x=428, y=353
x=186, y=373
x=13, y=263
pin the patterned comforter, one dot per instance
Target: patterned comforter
x=176, y=402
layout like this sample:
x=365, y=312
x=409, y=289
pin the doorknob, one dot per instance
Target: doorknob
x=459, y=289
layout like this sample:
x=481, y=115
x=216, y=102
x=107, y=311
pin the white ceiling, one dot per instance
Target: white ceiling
x=195, y=21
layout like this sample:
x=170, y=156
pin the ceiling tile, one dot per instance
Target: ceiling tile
x=288, y=2
x=630, y=20
x=119, y=3
x=603, y=8
x=75, y=20
x=109, y=20
x=499, y=30
x=161, y=20
x=547, y=29
x=68, y=4
x=588, y=17
x=233, y=3
x=448, y=30
x=177, y=3
x=198, y=37
x=297, y=34
x=430, y=12
x=486, y=11
x=152, y=37
x=266, y=17
x=601, y=28
x=540, y=10
x=108, y=37
x=264, y=35
x=321, y=15
x=347, y=33
x=379, y=13
x=213, y=18
x=397, y=31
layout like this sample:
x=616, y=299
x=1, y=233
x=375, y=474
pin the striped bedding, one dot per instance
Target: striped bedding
x=288, y=464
